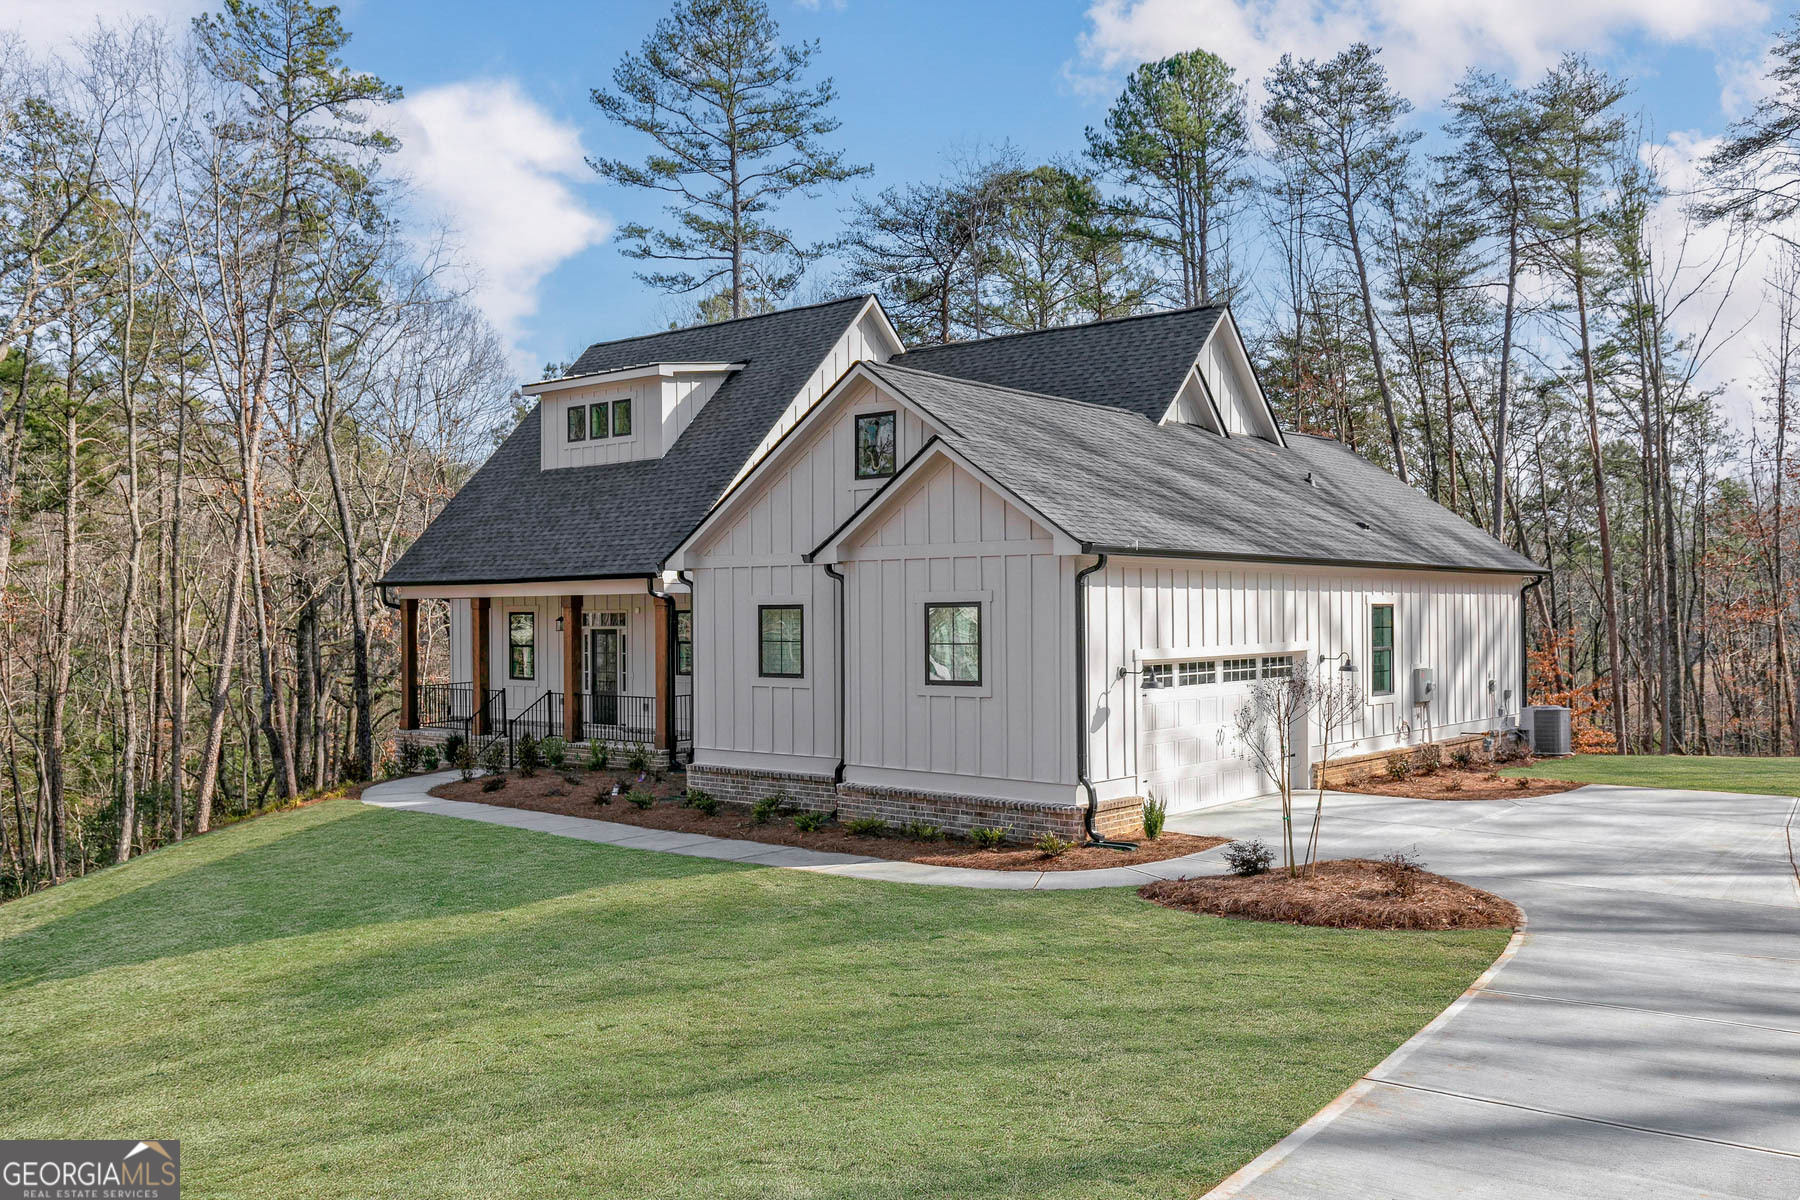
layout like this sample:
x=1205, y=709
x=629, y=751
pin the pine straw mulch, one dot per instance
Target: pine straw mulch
x=549, y=792
x=1350, y=893
x=1456, y=783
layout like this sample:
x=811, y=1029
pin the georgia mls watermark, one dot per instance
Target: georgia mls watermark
x=90, y=1170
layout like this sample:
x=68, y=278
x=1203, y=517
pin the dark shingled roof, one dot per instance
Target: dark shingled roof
x=513, y=522
x=1116, y=480
x=1135, y=363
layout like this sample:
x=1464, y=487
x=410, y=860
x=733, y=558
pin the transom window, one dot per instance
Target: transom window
x=521, y=645
x=1278, y=666
x=1239, y=670
x=598, y=425
x=684, y=643
x=1194, y=674
x=1381, y=649
x=781, y=639
x=875, y=445
x=578, y=423
x=953, y=644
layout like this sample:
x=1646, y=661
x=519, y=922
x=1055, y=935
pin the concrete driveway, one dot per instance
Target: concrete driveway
x=1642, y=1041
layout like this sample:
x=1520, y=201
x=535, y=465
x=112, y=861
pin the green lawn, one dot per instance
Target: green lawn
x=1758, y=776
x=343, y=1001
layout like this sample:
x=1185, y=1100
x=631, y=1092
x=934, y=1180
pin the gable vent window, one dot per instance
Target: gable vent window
x=875, y=453
x=578, y=424
x=598, y=426
x=1239, y=670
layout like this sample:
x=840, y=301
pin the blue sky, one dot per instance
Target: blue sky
x=497, y=116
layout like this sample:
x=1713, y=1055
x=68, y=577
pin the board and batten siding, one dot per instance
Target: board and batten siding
x=647, y=438
x=755, y=558
x=951, y=538
x=1464, y=626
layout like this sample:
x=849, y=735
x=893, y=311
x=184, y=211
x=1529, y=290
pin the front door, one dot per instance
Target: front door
x=604, y=675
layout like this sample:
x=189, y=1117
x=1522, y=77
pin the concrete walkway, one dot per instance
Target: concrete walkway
x=413, y=793
x=1642, y=1040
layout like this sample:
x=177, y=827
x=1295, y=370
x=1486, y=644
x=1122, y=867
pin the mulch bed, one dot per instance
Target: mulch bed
x=1456, y=783
x=549, y=792
x=1349, y=893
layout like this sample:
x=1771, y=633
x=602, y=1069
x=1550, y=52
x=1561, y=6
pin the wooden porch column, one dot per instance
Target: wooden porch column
x=571, y=648
x=665, y=674
x=480, y=610
x=409, y=664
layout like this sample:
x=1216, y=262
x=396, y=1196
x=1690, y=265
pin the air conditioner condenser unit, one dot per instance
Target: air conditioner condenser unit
x=1547, y=728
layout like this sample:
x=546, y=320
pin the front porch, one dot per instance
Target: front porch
x=621, y=653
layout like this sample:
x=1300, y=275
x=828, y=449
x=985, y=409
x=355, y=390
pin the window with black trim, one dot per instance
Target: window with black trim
x=875, y=445
x=577, y=423
x=781, y=637
x=684, y=643
x=953, y=644
x=621, y=416
x=597, y=427
x=1381, y=649
x=521, y=645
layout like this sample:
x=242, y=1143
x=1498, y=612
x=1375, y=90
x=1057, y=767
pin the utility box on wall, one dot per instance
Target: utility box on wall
x=1424, y=687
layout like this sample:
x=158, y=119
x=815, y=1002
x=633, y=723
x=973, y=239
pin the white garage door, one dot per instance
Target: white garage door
x=1189, y=756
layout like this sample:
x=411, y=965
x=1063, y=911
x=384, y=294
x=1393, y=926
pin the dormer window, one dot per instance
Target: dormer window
x=597, y=424
x=578, y=423
x=875, y=445
x=621, y=418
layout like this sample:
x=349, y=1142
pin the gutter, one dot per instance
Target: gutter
x=1220, y=556
x=1081, y=731
x=1525, y=642
x=843, y=676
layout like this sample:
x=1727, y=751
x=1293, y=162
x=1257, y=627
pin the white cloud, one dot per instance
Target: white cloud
x=51, y=24
x=1426, y=44
x=505, y=177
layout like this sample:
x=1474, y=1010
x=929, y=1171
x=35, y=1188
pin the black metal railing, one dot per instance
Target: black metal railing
x=444, y=704
x=684, y=721
x=543, y=719
x=610, y=717
x=494, y=712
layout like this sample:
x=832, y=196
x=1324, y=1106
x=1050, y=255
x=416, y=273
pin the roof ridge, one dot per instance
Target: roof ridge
x=861, y=298
x=1001, y=387
x=1001, y=337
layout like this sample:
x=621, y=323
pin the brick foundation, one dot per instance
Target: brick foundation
x=1363, y=768
x=738, y=785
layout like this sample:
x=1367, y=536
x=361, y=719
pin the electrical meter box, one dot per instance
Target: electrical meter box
x=1424, y=687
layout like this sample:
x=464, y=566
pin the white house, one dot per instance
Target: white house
x=1023, y=581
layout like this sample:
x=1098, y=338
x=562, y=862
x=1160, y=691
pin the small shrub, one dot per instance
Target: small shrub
x=598, y=756
x=639, y=758
x=1051, y=846
x=1429, y=759
x=353, y=770
x=464, y=762
x=493, y=757
x=640, y=798
x=1248, y=858
x=865, y=826
x=554, y=790
x=529, y=756
x=1399, y=767
x=410, y=755
x=604, y=796
x=428, y=759
x=1462, y=758
x=924, y=831
x=493, y=783
x=1155, y=813
x=453, y=747
x=769, y=807
x=705, y=803
x=1522, y=782
x=1453, y=785
x=987, y=837
x=390, y=767
x=1492, y=777
x=554, y=750
x=571, y=778
x=811, y=821
x=1403, y=873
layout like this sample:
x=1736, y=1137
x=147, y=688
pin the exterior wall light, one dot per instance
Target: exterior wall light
x=1345, y=666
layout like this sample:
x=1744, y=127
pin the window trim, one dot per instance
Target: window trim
x=760, y=610
x=980, y=644
x=511, y=673
x=1392, y=647
x=570, y=424
x=856, y=447
x=685, y=616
